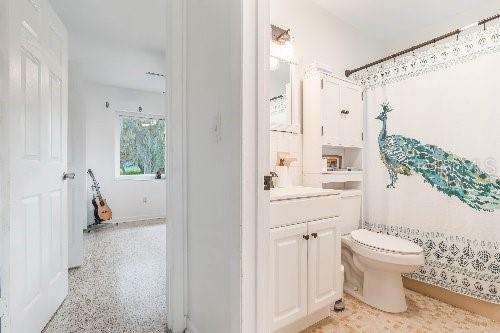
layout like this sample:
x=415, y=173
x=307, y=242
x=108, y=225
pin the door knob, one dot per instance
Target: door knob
x=314, y=234
x=69, y=175
x=306, y=237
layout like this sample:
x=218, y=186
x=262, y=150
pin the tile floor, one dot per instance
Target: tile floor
x=121, y=286
x=424, y=315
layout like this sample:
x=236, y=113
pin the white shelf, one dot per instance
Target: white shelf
x=344, y=172
x=333, y=177
x=336, y=146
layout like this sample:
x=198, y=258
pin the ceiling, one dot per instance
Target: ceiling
x=388, y=20
x=116, y=42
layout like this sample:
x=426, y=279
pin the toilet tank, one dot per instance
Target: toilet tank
x=350, y=211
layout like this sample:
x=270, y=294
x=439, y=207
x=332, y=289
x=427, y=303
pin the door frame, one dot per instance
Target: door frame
x=256, y=34
x=4, y=169
x=255, y=202
x=176, y=115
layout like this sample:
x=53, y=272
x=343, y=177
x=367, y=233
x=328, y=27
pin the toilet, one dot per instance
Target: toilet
x=373, y=262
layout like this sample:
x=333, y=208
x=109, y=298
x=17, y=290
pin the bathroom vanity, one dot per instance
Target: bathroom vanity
x=305, y=256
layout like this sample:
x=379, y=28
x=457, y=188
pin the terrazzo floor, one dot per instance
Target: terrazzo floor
x=121, y=286
x=424, y=315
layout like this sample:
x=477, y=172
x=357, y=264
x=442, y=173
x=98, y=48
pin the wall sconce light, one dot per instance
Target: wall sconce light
x=279, y=35
x=281, y=45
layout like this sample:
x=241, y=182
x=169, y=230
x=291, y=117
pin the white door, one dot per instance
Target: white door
x=330, y=112
x=37, y=123
x=351, y=115
x=288, y=284
x=324, y=263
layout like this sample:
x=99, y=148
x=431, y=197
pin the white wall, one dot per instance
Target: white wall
x=318, y=36
x=125, y=197
x=77, y=188
x=322, y=37
x=439, y=28
x=291, y=143
x=214, y=166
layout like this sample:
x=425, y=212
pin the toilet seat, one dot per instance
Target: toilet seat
x=385, y=243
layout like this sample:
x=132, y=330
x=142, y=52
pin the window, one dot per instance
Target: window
x=142, y=146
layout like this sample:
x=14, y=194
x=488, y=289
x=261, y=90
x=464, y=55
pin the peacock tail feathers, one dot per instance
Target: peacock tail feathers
x=444, y=171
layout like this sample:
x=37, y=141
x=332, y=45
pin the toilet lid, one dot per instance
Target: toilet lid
x=385, y=242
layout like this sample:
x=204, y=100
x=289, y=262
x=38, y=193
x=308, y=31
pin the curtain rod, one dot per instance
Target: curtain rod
x=416, y=47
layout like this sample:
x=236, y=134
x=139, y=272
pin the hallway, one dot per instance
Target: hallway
x=121, y=286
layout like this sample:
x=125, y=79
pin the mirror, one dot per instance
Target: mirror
x=282, y=94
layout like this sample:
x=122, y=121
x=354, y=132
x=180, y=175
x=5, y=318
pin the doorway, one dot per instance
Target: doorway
x=84, y=89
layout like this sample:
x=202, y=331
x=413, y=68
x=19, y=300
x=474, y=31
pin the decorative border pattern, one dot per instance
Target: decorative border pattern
x=467, y=47
x=465, y=266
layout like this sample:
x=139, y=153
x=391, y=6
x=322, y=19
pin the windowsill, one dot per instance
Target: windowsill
x=140, y=178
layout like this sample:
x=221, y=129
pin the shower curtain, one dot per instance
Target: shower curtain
x=436, y=179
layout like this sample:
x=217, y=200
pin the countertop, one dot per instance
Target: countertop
x=297, y=192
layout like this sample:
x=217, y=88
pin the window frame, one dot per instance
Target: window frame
x=137, y=115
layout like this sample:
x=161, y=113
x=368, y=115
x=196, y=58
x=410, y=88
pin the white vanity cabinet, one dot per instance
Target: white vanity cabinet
x=304, y=258
x=288, y=274
x=333, y=110
x=323, y=263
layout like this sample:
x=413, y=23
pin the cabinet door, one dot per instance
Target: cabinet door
x=330, y=112
x=324, y=263
x=288, y=275
x=351, y=116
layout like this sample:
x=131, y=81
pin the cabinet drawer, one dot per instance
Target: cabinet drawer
x=286, y=212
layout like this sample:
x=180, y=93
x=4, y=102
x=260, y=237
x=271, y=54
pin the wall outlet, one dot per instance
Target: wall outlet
x=144, y=199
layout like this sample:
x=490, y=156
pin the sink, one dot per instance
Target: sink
x=302, y=204
x=297, y=192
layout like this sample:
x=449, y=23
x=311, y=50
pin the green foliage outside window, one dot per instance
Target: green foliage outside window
x=142, y=146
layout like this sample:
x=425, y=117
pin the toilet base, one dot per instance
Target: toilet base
x=384, y=291
x=385, y=297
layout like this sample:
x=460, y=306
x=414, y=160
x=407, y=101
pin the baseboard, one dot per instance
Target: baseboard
x=136, y=219
x=114, y=224
x=471, y=304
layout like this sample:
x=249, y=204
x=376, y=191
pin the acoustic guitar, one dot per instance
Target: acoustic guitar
x=102, y=212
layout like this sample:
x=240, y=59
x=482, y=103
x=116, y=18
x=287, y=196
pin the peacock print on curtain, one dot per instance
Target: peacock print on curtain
x=432, y=162
x=444, y=171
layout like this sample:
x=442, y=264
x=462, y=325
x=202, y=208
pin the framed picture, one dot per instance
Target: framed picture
x=333, y=162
